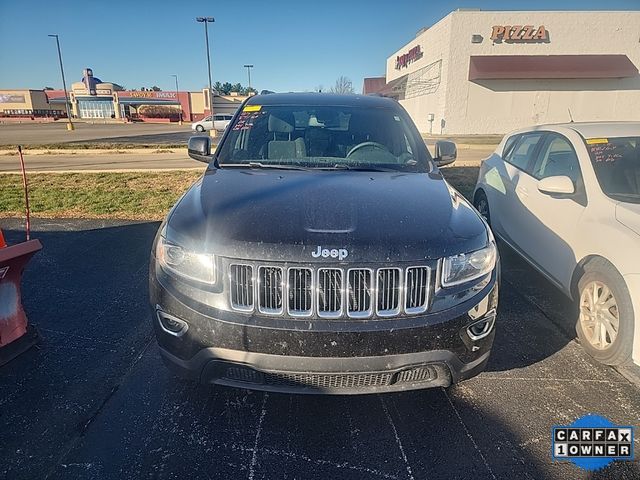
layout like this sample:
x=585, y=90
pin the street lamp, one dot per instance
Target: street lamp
x=64, y=84
x=207, y=20
x=178, y=99
x=249, y=67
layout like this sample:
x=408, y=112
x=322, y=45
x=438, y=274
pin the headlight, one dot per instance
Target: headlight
x=194, y=266
x=468, y=266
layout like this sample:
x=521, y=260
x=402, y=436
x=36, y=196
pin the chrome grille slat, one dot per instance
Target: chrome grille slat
x=270, y=286
x=300, y=292
x=359, y=286
x=388, y=289
x=329, y=292
x=416, y=289
x=241, y=287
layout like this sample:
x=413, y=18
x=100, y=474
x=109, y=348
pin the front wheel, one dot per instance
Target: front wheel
x=200, y=128
x=605, y=323
x=482, y=205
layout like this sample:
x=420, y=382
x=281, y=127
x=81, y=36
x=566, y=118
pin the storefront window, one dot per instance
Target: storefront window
x=95, y=108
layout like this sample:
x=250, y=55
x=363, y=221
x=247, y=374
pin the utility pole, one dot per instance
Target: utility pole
x=178, y=99
x=207, y=20
x=249, y=67
x=64, y=85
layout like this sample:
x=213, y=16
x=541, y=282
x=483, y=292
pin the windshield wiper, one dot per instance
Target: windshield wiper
x=277, y=166
x=343, y=166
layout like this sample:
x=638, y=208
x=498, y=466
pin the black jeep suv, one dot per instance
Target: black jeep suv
x=323, y=252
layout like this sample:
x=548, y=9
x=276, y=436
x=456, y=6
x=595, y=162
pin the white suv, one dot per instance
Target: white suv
x=567, y=199
x=220, y=122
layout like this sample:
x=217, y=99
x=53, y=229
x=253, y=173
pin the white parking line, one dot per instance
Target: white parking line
x=254, y=456
x=398, y=441
x=469, y=436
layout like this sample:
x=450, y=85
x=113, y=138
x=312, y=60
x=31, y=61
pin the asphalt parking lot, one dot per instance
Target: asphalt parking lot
x=115, y=133
x=93, y=400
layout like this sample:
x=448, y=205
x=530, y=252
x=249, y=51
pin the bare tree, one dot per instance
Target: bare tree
x=343, y=85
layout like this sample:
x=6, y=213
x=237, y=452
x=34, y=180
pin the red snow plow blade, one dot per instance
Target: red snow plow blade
x=15, y=335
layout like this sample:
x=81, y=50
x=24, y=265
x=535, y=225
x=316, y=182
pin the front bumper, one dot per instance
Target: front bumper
x=319, y=356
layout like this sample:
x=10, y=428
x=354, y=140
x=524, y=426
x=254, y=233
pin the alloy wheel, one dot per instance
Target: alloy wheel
x=599, y=315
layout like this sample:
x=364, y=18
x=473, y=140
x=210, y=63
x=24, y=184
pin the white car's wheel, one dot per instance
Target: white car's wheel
x=482, y=205
x=200, y=128
x=605, y=323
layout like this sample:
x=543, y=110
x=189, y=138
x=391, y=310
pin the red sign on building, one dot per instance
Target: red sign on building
x=403, y=61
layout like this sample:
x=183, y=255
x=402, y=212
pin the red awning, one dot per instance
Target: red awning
x=492, y=67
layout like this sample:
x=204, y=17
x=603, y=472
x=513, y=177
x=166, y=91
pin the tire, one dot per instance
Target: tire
x=482, y=205
x=596, y=321
x=200, y=128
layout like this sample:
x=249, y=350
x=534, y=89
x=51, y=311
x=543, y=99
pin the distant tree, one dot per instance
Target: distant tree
x=155, y=88
x=48, y=88
x=343, y=85
x=226, y=88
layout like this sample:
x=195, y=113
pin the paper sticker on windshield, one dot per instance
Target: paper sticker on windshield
x=594, y=141
x=396, y=118
x=252, y=108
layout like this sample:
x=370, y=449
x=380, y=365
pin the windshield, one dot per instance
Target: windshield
x=324, y=137
x=616, y=162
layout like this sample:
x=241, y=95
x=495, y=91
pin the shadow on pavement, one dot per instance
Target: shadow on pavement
x=152, y=138
x=94, y=400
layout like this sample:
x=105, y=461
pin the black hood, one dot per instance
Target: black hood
x=284, y=215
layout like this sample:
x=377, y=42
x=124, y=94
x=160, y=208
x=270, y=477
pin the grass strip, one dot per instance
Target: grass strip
x=133, y=195
x=144, y=195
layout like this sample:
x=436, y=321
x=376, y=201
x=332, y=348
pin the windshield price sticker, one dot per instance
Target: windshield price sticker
x=252, y=108
x=592, y=442
x=595, y=141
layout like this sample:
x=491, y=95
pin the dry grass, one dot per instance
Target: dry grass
x=146, y=195
x=140, y=195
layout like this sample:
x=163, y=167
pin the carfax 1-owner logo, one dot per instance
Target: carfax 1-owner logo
x=592, y=442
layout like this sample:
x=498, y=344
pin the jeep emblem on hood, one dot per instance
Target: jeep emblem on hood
x=340, y=254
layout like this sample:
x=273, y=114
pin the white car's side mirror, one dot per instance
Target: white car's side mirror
x=558, y=185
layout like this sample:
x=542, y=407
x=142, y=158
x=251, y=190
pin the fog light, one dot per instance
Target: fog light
x=170, y=324
x=482, y=327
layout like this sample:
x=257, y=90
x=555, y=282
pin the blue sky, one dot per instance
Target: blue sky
x=294, y=45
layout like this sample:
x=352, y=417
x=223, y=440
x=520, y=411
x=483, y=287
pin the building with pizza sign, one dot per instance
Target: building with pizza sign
x=489, y=72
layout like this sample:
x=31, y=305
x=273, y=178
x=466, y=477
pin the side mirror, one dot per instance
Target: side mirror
x=199, y=148
x=558, y=185
x=446, y=153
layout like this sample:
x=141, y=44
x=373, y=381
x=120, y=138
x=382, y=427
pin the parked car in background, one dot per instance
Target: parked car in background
x=219, y=122
x=323, y=252
x=567, y=199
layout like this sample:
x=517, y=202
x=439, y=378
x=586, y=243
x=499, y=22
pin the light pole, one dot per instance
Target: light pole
x=178, y=99
x=207, y=20
x=64, y=85
x=249, y=67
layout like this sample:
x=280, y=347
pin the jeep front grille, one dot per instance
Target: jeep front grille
x=270, y=289
x=329, y=292
x=300, y=292
x=359, y=292
x=241, y=286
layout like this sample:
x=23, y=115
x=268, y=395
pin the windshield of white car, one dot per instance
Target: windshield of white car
x=616, y=162
x=325, y=137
